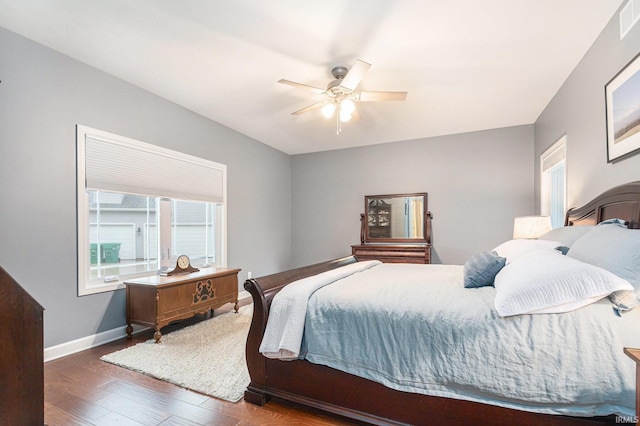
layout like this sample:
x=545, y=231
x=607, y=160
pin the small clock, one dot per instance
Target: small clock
x=183, y=265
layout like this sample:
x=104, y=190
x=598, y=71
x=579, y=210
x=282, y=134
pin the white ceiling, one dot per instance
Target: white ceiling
x=468, y=64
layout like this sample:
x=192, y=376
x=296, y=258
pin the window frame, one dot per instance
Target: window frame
x=88, y=286
x=558, y=148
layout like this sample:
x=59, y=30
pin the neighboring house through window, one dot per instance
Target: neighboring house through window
x=553, y=182
x=140, y=206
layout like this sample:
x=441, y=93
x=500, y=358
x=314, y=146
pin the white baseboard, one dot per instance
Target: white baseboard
x=78, y=345
x=84, y=343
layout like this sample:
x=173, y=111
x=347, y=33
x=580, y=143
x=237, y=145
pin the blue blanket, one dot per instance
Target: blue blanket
x=415, y=328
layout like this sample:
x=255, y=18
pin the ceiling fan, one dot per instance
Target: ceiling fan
x=342, y=93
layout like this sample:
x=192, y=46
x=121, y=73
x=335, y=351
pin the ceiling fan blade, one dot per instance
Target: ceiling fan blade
x=355, y=75
x=309, y=108
x=302, y=86
x=380, y=96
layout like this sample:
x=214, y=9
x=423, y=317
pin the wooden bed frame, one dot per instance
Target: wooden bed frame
x=347, y=395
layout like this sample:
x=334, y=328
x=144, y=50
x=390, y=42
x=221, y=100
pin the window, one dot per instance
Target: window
x=553, y=182
x=140, y=206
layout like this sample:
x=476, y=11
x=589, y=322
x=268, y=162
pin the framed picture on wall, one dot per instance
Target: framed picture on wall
x=623, y=112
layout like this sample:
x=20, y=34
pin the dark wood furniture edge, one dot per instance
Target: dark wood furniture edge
x=364, y=400
x=605, y=205
x=21, y=355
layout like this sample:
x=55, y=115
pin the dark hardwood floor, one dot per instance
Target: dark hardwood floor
x=82, y=390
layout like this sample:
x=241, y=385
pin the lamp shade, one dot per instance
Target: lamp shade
x=531, y=227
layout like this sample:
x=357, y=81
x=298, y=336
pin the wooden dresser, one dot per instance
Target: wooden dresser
x=395, y=228
x=21, y=355
x=157, y=301
x=393, y=253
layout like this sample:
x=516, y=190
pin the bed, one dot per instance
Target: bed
x=456, y=396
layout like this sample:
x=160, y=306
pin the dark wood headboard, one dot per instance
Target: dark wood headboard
x=622, y=202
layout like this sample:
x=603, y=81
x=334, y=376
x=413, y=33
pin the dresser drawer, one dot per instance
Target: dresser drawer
x=393, y=253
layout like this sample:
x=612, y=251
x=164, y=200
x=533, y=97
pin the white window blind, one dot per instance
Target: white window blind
x=553, y=157
x=118, y=164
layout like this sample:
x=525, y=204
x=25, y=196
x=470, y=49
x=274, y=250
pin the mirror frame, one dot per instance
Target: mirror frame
x=365, y=237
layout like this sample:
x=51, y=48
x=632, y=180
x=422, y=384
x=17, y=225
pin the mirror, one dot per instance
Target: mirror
x=395, y=218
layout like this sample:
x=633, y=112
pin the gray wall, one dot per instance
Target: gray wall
x=43, y=95
x=578, y=109
x=477, y=183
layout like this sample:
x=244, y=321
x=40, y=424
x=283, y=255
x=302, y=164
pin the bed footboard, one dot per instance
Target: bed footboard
x=262, y=291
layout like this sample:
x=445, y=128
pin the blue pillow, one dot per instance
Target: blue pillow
x=481, y=269
x=621, y=223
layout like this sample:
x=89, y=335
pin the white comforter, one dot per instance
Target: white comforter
x=285, y=326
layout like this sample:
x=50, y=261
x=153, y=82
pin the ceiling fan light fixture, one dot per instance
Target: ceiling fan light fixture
x=345, y=116
x=328, y=109
x=342, y=93
x=348, y=106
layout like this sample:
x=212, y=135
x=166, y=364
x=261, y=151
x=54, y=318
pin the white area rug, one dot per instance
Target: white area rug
x=207, y=357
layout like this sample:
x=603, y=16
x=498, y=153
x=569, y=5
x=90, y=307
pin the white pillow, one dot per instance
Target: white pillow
x=613, y=248
x=616, y=249
x=513, y=249
x=567, y=235
x=545, y=281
